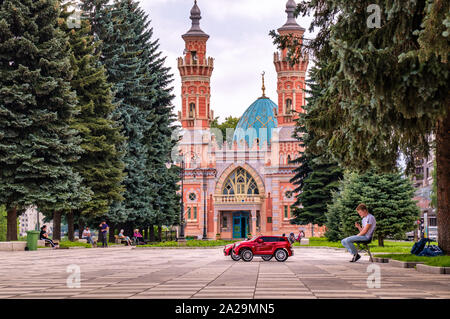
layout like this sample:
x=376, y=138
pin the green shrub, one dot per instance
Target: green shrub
x=3, y=223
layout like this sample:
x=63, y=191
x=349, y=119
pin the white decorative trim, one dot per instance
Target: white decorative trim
x=195, y=79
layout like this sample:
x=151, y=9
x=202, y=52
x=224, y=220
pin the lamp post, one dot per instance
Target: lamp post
x=204, y=173
x=181, y=237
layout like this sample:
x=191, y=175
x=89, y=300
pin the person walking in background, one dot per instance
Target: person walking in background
x=104, y=233
x=301, y=235
x=365, y=232
x=44, y=236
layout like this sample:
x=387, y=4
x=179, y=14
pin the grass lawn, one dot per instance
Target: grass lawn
x=191, y=243
x=389, y=245
x=440, y=261
x=66, y=244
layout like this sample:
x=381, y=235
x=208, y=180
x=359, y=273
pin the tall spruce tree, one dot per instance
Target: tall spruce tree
x=128, y=73
x=141, y=85
x=159, y=139
x=317, y=176
x=37, y=143
x=387, y=196
x=100, y=165
x=387, y=88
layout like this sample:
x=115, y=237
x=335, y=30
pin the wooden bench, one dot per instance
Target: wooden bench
x=120, y=240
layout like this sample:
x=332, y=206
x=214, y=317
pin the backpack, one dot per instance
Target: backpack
x=419, y=246
x=431, y=251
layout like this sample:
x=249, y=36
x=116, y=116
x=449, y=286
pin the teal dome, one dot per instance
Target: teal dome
x=257, y=122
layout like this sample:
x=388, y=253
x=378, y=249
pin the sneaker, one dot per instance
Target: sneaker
x=355, y=258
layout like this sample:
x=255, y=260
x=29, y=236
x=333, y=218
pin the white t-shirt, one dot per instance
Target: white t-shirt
x=369, y=219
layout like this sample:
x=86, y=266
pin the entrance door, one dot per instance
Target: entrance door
x=240, y=224
x=236, y=226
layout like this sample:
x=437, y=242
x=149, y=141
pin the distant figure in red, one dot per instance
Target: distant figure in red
x=301, y=235
x=138, y=237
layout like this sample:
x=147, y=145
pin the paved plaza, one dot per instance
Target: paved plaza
x=205, y=273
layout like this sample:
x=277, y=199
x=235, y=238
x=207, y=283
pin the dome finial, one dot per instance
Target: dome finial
x=196, y=16
x=291, y=23
x=263, y=86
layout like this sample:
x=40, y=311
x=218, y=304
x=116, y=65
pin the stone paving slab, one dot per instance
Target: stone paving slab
x=205, y=273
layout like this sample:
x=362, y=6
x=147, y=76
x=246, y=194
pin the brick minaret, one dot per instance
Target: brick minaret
x=291, y=79
x=195, y=70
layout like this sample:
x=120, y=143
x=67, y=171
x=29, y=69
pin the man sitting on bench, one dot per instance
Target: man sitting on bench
x=44, y=236
x=365, y=232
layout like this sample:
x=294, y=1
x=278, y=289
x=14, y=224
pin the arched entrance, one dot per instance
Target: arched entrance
x=237, y=201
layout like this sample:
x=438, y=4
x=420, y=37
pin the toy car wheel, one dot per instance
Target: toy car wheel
x=235, y=257
x=281, y=255
x=247, y=255
x=266, y=258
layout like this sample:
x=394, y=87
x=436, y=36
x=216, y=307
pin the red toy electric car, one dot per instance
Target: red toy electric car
x=265, y=247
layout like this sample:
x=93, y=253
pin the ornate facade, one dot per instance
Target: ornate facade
x=241, y=186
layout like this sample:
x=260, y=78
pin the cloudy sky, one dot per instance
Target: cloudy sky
x=239, y=42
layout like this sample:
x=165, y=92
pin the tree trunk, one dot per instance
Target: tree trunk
x=111, y=239
x=159, y=233
x=70, y=227
x=11, y=231
x=152, y=233
x=128, y=229
x=380, y=241
x=57, y=226
x=443, y=182
x=81, y=226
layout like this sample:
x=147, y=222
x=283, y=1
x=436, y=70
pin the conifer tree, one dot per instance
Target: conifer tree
x=159, y=139
x=37, y=143
x=100, y=165
x=317, y=176
x=141, y=86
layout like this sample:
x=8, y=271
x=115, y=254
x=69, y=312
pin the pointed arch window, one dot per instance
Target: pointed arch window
x=240, y=182
x=192, y=110
x=288, y=106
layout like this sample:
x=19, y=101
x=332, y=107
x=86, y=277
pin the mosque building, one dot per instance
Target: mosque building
x=239, y=186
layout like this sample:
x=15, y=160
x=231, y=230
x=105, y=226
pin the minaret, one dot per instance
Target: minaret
x=291, y=79
x=195, y=70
